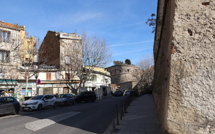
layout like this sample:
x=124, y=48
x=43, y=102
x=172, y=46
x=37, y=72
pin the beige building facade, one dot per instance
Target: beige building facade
x=184, y=79
x=10, y=41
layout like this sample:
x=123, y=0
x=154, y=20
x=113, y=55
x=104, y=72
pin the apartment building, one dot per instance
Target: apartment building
x=10, y=40
x=99, y=81
x=64, y=52
x=15, y=50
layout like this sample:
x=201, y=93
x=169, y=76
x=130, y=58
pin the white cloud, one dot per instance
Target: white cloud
x=76, y=18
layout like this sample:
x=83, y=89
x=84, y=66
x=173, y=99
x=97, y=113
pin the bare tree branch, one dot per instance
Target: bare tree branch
x=94, y=53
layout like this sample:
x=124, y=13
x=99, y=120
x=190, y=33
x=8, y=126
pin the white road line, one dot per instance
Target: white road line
x=39, y=124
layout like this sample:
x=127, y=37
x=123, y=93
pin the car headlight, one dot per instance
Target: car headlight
x=33, y=103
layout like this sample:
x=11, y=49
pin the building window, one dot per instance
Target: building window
x=92, y=78
x=68, y=76
x=4, y=56
x=48, y=76
x=75, y=47
x=67, y=60
x=4, y=36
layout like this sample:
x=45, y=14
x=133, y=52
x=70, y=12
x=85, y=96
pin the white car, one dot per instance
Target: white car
x=39, y=102
x=66, y=99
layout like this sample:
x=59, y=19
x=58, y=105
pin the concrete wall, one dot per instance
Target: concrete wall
x=185, y=66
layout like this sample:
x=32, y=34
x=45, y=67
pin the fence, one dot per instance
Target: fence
x=119, y=111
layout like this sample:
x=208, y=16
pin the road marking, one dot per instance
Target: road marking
x=39, y=124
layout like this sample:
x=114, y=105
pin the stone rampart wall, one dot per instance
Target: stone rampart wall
x=185, y=67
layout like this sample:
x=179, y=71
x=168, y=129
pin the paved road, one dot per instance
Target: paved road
x=83, y=118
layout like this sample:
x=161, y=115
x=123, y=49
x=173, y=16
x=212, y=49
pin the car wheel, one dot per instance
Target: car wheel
x=55, y=105
x=66, y=103
x=39, y=107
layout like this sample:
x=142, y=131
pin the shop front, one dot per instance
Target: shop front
x=53, y=87
x=7, y=87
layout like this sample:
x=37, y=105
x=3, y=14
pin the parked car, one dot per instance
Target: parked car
x=134, y=93
x=9, y=105
x=126, y=92
x=66, y=99
x=147, y=91
x=118, y=93
x=86, y=96
x=39, y=102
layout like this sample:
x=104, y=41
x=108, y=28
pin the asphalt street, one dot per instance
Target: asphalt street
x=81, y=118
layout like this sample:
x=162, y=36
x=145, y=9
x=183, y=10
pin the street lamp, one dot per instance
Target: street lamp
x=36, y=71
x=36, y=76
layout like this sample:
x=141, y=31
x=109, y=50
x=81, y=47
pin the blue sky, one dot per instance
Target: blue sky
x=120, y=22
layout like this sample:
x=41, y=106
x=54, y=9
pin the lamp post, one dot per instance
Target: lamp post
x=36, y=71
x=36, y=76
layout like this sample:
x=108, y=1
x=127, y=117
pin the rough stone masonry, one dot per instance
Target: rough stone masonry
x=184, y=51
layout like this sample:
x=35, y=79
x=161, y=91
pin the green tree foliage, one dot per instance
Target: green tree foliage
x=118, y=62
x=128, y=61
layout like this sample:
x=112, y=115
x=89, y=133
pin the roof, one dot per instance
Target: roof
x=11, y=26
x=121, y=65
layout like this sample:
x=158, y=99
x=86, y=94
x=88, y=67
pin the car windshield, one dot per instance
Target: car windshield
x=127, y=92
x=80, y=94
x=2, y=99
x=62, y=96
x=38, y=97
x=118, y=92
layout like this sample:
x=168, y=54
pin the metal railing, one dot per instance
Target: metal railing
x=119, y=111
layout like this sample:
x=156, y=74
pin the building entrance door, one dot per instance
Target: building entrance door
x=65, y=90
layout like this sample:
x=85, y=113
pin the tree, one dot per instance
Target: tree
x=118, y=62
x=128, y=61
x=147, y=67
x=152, y=22
x=94, y=53
x=27, y=53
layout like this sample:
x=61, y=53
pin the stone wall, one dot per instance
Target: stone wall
x=185, y=66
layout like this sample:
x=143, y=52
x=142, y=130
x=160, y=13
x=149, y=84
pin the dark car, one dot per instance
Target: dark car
x=134, y=93
x=86, y=96
x=66, y=99
x=9, y=105
x=118, y=93
x=147, y=91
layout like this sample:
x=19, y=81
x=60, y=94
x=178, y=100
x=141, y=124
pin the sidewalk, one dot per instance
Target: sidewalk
x=141, y=118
